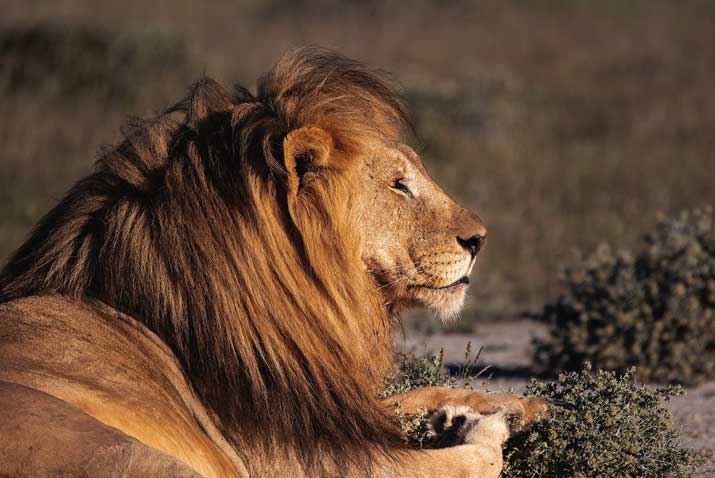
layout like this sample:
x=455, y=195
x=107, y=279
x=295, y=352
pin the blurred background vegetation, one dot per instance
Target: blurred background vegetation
x=564, y=124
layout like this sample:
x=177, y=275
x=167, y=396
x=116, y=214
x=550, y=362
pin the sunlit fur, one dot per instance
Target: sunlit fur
x=189, y=226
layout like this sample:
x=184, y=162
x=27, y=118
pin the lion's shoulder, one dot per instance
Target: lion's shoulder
x=113, y=369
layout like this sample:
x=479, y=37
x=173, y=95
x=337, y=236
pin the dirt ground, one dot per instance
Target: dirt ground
x=506, y=349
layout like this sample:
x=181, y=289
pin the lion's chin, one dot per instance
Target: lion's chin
x=447, y=305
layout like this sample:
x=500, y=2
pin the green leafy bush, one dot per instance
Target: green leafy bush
x=655, y=311
x=612, y=427
x=412, y=371
x=69, y=59
x=607, y=426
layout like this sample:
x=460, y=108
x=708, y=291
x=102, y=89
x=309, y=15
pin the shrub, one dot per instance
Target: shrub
x=612, y=427
x=607, y=426
x=655, y=311
x=69, y=59
x=413, y=372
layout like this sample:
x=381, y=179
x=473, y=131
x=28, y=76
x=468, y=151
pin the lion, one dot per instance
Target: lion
x=218, y=297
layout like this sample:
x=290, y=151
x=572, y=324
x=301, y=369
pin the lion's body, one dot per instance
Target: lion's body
x=222, y=288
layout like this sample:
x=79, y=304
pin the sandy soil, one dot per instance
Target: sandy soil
x=506, y=347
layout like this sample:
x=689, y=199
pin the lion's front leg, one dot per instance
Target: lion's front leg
x=470, y=446
x=525, y=410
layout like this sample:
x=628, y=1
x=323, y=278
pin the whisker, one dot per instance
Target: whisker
x=416, y=269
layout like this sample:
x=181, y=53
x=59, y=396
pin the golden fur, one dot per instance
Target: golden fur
x=187, y=227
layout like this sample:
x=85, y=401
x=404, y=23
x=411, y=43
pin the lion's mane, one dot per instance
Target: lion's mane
x=186, y=226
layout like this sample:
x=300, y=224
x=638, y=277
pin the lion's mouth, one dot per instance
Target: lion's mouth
x=464, y=280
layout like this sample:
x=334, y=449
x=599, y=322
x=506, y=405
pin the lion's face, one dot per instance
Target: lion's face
x=418, y=243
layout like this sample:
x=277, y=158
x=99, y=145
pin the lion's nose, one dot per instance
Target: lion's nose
x=472, y=244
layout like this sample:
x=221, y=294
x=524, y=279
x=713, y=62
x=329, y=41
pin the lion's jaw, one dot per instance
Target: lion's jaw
x=418, y=244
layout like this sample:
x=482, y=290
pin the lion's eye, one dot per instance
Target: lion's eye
x=399, y=185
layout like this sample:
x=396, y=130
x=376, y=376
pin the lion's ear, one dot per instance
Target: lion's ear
x=306, y=151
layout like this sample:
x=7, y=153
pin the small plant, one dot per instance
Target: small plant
x=611, y=428
x=413, y=372
x=655, y=311
x=414, y=426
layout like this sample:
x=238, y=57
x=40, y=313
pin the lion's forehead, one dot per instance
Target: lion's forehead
x=397, y=158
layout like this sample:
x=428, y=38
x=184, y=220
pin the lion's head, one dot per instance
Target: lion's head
x=268, y=238
x=418, y=243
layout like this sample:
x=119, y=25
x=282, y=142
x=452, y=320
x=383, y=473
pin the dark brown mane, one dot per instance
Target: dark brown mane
x=185, y=226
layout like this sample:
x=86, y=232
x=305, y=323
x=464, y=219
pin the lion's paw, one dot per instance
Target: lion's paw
x=521, y=411
x=458, y=424
x=454, y=425
x=527, y=411
x=491, y=429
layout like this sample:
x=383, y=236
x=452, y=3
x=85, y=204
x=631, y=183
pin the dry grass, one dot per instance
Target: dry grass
x=565, y=124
